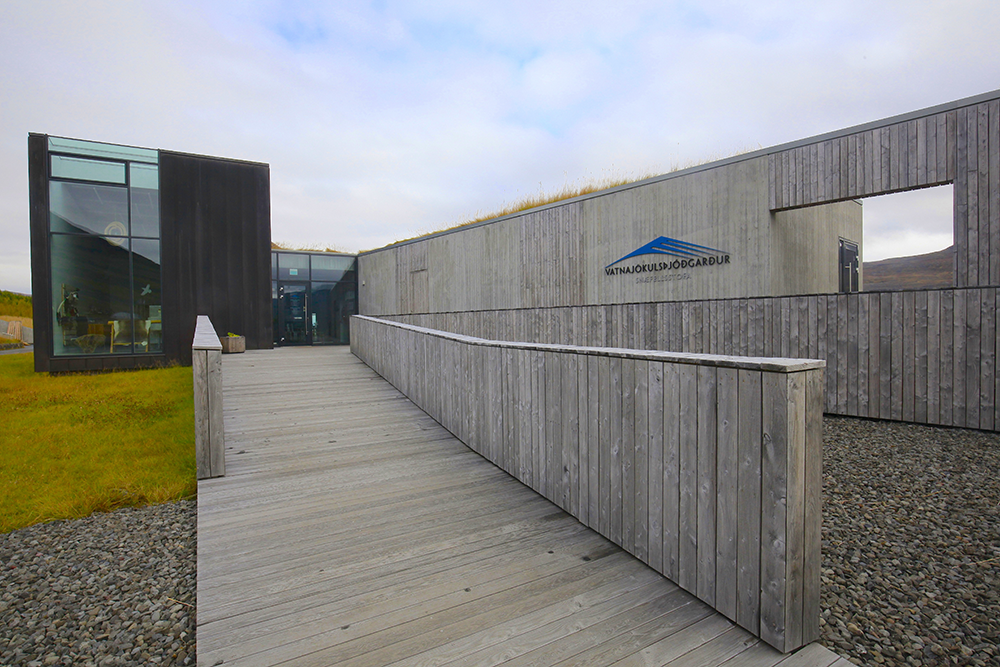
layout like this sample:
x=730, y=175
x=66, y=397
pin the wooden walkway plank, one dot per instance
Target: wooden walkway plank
x=352, y=529
x=503, y=642
x=673, y=647
x=635, y=639
x=368, y=610
x=539, y=642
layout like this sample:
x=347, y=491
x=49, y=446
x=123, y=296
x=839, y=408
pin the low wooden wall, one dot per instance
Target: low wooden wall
x=209, y=436
x=923, y=356
x=13, y=329
x=707, y=468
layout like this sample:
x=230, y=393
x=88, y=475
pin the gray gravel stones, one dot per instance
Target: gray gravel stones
x=111, y=589
x=911, y=544
x=911, y=562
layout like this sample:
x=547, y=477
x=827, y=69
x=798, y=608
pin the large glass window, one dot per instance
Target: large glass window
x=104, y=241
x=313, y=297
x=79, y=208
x=64, y=166
x=331, y=267
x=293, y=267
x=333, y=304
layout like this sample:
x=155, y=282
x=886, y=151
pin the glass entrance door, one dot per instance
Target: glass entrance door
x=294, y=322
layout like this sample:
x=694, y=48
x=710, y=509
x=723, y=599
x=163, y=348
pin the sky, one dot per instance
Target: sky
x=387, y=119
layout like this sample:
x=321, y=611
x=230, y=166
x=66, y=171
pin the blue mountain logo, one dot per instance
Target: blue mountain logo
x=689, y=255
x=665, y=246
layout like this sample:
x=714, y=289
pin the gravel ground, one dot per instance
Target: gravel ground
x=911, y=544
x=911, y=562
x=110, y=589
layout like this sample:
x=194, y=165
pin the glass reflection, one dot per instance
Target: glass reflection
x=331, y=267
x=88, y=170
x=333, y=305
x=148, y=321
x=144, y=193
x=84, y=208
x=293, y=267
x=90, y=285
x=105, y=251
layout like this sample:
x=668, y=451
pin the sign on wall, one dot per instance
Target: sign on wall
x=673, y=254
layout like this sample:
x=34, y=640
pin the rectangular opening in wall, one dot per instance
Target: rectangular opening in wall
x=909, y=240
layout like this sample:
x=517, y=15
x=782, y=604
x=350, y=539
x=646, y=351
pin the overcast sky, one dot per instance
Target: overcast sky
x=382, y=120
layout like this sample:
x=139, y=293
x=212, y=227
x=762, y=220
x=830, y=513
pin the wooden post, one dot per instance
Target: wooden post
x=206, y=364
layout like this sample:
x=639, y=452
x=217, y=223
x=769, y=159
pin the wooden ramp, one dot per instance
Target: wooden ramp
x=352, y=529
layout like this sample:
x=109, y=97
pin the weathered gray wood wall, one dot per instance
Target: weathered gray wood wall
x=556, y=255
x=762, y=207
x=707, y=468
x=957, y=143
x=919, y=356
x=209, y=435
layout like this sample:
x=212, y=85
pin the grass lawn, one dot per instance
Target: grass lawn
x=71, y=445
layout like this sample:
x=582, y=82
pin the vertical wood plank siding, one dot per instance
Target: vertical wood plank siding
x=927, y=356
x=708, y=465
x=960, y=146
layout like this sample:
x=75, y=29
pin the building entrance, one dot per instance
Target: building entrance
x=293, y=314
x=313, y=297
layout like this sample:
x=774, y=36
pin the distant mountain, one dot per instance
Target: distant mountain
x=935, y=269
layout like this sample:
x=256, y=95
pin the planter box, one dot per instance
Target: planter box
x=233, y=344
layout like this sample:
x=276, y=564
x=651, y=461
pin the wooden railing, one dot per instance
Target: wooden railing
x=707, y=468
x=206, y=362
x=924, y=356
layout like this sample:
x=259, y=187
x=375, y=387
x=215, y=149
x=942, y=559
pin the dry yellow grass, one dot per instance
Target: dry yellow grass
x=308, y=247
x=570, y=191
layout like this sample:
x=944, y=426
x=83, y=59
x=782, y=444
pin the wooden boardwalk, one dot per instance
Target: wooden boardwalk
x=352, y=529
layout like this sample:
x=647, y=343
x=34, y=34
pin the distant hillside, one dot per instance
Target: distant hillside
x=15, y=304
x=935, y=269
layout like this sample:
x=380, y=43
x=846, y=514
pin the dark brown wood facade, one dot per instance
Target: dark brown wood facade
x=216, y=231
x=215, y=235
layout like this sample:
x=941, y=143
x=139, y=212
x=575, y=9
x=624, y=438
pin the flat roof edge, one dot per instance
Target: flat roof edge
x=159, y=150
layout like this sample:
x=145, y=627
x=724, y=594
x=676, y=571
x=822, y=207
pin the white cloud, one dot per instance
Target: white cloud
x=904, y=244
x=908, y=223
x=382, y=120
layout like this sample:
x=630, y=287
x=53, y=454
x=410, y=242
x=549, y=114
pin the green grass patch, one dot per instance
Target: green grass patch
x=71, y=445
